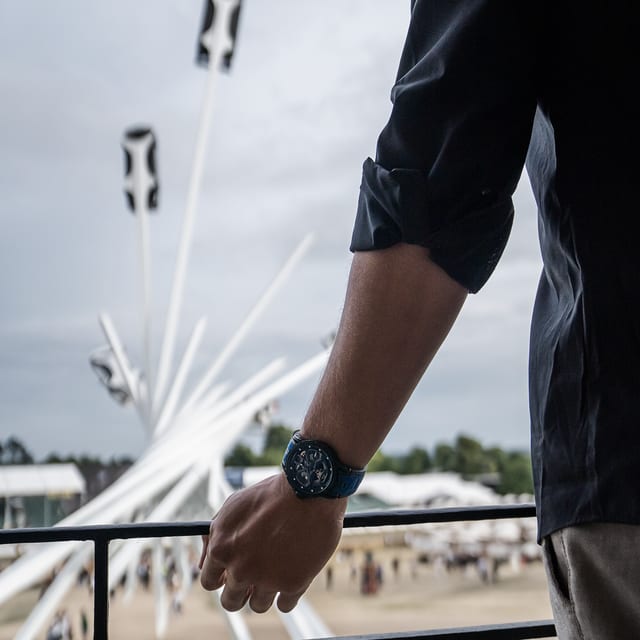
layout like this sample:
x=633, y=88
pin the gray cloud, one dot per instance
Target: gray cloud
x=301, y=109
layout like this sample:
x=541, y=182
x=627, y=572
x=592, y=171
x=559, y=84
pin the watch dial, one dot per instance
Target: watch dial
x=312, y=469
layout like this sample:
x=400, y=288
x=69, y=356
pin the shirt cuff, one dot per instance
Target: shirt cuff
x=466, y=242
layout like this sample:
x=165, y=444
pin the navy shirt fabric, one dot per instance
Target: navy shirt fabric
x=483, y=87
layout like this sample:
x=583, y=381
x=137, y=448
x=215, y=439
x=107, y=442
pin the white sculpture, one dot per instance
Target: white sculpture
x=187, y=436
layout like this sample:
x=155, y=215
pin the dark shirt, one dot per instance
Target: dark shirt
x=484, y=85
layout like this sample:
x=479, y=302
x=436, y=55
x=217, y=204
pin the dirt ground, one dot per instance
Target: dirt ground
x=420, y=596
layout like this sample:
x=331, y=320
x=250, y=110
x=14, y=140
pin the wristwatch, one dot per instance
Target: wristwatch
x=313, y=469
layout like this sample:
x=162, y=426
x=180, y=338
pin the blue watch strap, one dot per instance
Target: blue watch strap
x=347, y=482
x=346, y=479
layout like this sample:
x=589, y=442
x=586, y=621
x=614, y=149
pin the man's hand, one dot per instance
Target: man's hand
x=264, y=541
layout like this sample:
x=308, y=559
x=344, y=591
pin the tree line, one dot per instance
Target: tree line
x=14, y=451
x=505, y=471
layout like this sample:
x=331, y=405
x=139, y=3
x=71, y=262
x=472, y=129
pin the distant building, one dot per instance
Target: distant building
x=38, y=495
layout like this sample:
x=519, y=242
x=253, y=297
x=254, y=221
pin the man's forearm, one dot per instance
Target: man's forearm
x=265, y=540
x=399, y=308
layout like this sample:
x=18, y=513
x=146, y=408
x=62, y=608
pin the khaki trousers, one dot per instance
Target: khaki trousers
x=593, y=572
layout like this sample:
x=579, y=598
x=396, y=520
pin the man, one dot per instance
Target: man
x=482, y=86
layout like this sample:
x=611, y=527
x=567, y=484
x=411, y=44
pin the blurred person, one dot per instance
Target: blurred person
x=370, y=577
x=329, y=577
x=395, y=567
x=84, y=624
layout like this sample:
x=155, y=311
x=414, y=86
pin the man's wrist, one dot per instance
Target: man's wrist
x=332, y=507
x=313, y=469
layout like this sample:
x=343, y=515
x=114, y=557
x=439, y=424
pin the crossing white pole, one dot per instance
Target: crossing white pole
x=219, y=43
x=130, y=381
x=50, y=601
x=165, y=510
x=249, y=321
x=213, y=407
x=168, y=408
x=159, y=588
x=144, y=480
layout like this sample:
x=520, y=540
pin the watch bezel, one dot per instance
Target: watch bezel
x=298, y=446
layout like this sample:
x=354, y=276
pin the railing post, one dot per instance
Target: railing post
x=101, y=590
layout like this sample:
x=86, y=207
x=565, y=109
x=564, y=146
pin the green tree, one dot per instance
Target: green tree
x=497, y=457
x=275, y=442
x=381, y=462
x=240, y=456
x=417, y=460
x=278, y=436
x=53, y=458
x=269, y=458
x=13, y=451
x=470, y=457
x=516, y=475
x=466, y=456
x=444, y=457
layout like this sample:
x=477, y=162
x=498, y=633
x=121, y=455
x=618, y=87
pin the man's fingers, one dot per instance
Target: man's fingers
x=205, y=544
x=203, y=555
x=234, y=595
x=260, y=601
x=212, y=576
x=287, y=601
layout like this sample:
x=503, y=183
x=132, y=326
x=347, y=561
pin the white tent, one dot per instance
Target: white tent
x=40, y=480
x=425, y=489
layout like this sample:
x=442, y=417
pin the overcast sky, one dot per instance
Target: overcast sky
x=292, y=124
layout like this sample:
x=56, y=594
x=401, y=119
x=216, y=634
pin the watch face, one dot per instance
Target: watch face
x=309, y=468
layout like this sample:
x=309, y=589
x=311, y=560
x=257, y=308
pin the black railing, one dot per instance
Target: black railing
x=101, y=535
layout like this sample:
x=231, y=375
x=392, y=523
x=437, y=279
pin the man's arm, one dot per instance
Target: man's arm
x=265, y=540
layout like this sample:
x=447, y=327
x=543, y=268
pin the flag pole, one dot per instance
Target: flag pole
x=219, y=39
x=141, y=187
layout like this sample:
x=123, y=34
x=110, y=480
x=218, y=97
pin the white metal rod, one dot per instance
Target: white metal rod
x=304, y=622
x=203, y=432
x=200, y=427
x=213, y=397
x=181, y=549
x=168, y=408
x=235, y=622
x=50, y=601
x=165, y=510
x=159, y=588
x=182, y=446
x=142, y=213
x=110, y=506
x=142, y=484
x=215, y=408
x=113, y=339
x=177, y=286
x=250, y=320
x=132, y=576
x=219, y=489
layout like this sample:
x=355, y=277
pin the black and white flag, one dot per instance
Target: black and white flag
x=105, y=366
x=141, y=181
x=218, y=31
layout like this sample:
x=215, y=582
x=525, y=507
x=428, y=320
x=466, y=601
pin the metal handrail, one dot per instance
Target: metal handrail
x=101, y=535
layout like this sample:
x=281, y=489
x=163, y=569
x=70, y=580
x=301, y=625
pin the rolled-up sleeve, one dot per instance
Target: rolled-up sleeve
x=450, y=157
